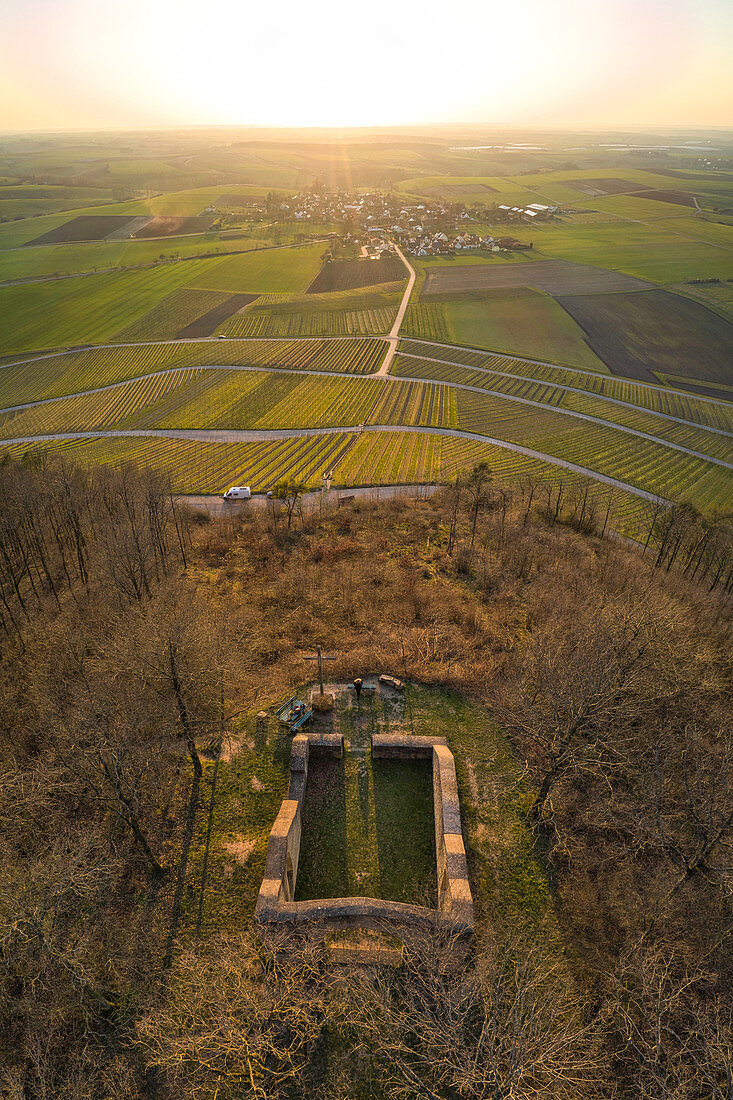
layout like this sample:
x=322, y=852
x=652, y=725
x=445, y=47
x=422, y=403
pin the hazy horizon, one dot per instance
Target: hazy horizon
x=602, y=65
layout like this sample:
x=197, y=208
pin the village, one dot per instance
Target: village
x=421, y=228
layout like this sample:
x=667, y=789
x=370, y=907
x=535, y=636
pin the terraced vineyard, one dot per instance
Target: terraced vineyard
x=201, y=467
x=205, y=400
x=419, y=360
x=275, y=322
x=344, y=313
x=366, y=458
x=73, y=372
x=521, y=391
x=416, y=404
x=427, y=321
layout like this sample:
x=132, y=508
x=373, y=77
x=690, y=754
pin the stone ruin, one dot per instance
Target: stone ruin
x=276, y=905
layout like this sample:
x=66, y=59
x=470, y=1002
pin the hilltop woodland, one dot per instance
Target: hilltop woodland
x=137, y=637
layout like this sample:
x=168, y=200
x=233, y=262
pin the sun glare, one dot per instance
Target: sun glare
x=331, y=64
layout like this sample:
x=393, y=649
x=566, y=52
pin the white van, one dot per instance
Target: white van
x=238, y=492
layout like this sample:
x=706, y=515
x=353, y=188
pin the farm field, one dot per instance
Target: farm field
x=517, y=321
x=29, y=200
x=194, y=201
x=645, y=251
x=554, y=277
x=418, y=357
x=640, y=334
x=208, y=322
x=715, y=296
x=85, y=309
x=283, y=271
x=693, y=436
x=340, y=314
x=174, y=312
x=588, y=297
x=68, y=259
x=262, y=401
x=352, y=274
x=168, y=226
x=85, y=227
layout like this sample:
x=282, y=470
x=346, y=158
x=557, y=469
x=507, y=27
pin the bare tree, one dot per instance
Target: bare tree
x=505, y=1027
x=670, y=1038
x=575, y=689
x=238, y=1020
x=690, y=813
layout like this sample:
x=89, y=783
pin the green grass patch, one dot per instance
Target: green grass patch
x=517, y=321
x=278, y=270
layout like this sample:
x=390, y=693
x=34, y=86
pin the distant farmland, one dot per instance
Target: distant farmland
x=351, y=274
x=169, y=226
x=86, y=227
x=208, y=322
x=641, y=333
x=506, y=357
x=555, y=276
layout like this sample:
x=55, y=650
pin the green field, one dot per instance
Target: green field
x=518, y=321
x=280, y=271
x=29, y=200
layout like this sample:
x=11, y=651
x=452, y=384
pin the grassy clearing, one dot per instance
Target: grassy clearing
x=368, y=828
x=283, y=271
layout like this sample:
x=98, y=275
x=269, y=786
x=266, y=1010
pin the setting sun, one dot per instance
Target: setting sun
x=86, y=63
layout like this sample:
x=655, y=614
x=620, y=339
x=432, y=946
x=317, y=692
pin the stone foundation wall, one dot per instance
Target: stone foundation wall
x=275, y=904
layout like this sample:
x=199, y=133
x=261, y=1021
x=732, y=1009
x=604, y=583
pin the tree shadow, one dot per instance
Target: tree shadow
x=403, y=803
x=322, y=867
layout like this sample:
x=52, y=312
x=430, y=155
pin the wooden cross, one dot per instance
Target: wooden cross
x=320, y=657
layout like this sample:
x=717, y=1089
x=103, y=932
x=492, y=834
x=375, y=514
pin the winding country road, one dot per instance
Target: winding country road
x=394, y=332
x=393, y=341
x=230, y=436
x=542, y=406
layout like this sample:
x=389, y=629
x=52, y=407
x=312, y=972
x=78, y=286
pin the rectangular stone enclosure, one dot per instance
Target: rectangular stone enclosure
x=276, y=904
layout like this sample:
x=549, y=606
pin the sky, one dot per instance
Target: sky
x=68, y=64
